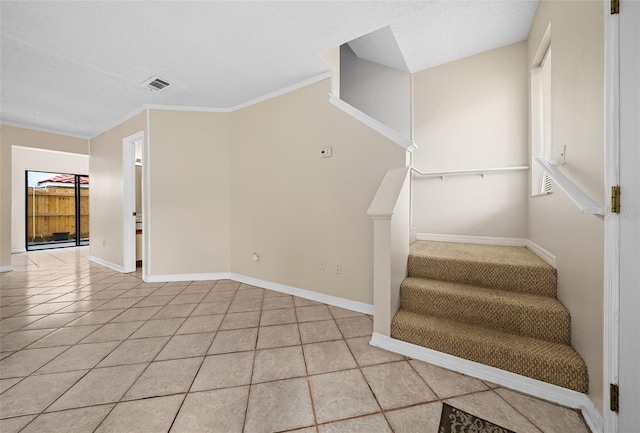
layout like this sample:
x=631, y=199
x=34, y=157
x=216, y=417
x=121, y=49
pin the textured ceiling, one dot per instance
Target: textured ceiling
x=444, y=31
x=75, y=67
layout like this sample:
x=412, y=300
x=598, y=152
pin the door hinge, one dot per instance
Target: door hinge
x=615, y=7
x=615, y=199
x=614, y=396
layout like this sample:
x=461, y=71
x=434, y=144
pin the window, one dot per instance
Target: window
x=541, y=110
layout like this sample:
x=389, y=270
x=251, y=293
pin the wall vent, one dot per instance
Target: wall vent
x=155, y=84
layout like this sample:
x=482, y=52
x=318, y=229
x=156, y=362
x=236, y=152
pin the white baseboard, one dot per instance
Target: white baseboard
x=489, y=240
x=484, y=240
x=107, y=263
x=18, y=250
x=347, y=304
x=165, y=278
x=536, y=388
x=542, y=253
x=6, y=269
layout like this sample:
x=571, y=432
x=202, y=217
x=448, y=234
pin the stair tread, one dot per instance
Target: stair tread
x=484, y=293
x=495, y=254
x=519, y=313
x=513, y=269
x=547, y=361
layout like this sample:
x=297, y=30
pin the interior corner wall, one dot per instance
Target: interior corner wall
x=24, y=159
x=14, y=136
x=107, y=190
x=379, y=91
x=555, y=223
x=296, y=209
x=189, y=171
x=472, y=114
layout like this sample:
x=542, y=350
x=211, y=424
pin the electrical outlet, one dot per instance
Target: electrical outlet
x=325, y=152
x=338, y=269
x=323, y=265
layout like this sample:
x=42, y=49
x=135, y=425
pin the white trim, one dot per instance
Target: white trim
x=282, y=91
x=162, y=278
x=39, y=149
x=146, y=200
x=18, y=250
x=611, y=344
x=462, y=239
x=536, y=388
x=106, y=263
x=38, y=129
x=347, y=304
x=270, y=95
x=128, y=201
x=573, y=191
x=185, y=108
x=542, y=253
x=373, y=124
x=5, y=269
x=488, y=240
x=121, y=120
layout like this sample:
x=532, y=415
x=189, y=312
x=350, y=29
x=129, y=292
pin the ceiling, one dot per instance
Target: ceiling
x=76, y=67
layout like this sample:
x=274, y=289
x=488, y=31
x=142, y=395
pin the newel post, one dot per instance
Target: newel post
x=390, y=213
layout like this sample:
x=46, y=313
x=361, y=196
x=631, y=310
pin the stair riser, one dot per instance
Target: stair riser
x=566, y=374
x=535, y=281
x=554, y=326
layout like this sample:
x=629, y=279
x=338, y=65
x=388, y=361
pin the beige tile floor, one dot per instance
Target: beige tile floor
x=86, y=349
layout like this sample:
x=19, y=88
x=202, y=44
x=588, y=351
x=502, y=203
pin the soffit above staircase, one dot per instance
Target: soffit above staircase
x=76, y=67
x=445, y=31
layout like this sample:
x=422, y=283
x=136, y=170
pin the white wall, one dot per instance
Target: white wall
x=555, y=223
x=472, y=114
x=297, y=209
x=39, y=160
x=379, y=91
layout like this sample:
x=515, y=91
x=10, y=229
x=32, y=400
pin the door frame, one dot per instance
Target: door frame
x=129, y=201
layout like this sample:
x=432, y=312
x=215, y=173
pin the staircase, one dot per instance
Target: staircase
x=493, y=305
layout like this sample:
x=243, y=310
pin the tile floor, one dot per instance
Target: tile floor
x=86, y=349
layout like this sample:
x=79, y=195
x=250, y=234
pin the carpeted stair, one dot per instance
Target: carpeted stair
x=490, y=304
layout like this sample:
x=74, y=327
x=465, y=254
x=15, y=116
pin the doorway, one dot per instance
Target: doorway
x=56, y=210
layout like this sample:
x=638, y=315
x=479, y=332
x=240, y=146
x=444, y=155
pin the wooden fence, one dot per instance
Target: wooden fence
x=52, y=210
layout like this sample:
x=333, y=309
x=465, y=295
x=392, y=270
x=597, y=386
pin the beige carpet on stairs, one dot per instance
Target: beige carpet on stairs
x=489, y=304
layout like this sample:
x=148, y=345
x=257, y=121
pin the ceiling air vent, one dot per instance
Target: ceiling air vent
x=155, y=84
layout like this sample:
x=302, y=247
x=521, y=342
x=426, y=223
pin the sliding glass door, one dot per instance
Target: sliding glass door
x=57, y=210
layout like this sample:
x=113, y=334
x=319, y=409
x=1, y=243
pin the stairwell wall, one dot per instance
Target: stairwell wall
x=295, y=209
x=472, y=114
x=379, y=91
x=577, y=240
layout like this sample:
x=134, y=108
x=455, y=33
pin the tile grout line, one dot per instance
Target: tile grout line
x=364, y=377
x=253, y=364
x=201, y=363
x=306, y=367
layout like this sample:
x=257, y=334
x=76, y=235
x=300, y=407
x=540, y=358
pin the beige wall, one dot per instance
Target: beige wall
x=40, y=160
x=10, y=136
x=472, y=114
x=577, y=240
x=105, y=200
x=189, y=163
x=296, y=209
